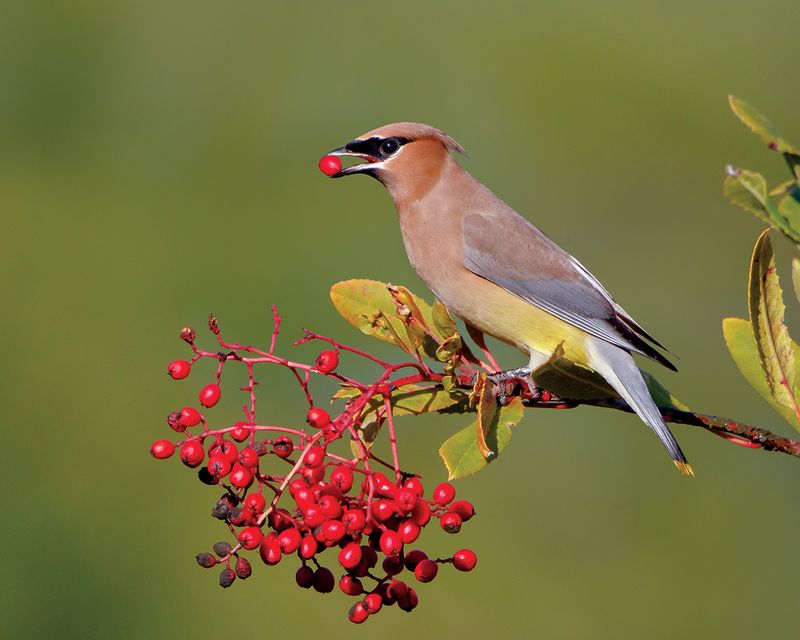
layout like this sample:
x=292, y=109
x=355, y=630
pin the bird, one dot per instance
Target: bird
x=499, y=273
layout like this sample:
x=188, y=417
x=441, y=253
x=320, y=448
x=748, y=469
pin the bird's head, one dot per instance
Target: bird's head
x=405, y=156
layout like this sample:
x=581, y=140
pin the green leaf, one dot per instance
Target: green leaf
x=761, y=126
x=739, y=339
x=789, y=209
x=367, y=433
x=461, y=454
x=345, y=391
x=443, y=322
x=413, y=400
x=661, y=395
x=796, y=276
x=771, y=335
x=748, y=190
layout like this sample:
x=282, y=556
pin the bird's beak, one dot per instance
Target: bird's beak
x=357, y=149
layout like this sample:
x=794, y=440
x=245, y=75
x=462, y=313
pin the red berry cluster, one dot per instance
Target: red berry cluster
x=290, y=496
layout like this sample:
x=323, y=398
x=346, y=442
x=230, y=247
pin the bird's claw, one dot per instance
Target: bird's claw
x=515, y=383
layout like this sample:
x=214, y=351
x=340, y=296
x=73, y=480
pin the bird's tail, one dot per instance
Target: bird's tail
x=620, y=371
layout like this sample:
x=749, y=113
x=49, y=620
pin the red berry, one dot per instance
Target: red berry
x=179, y=369
x=330, y=165
x=224, y=448
x=192, y=454
x=391, y=542
x=465, y=560
x=162, y=449
x=313, y=516
x=327, y=361
x=383, y=486
x=270, y=550
x=382, y=510
x=426, y=570
x=330, y=506
x=463, y=509
x=241, y=476
x=409, y=531
x=358, y=612
x=409, y=601
x=283, y=447
x=414, y=557
x=444, y=493
x=250, y=538
x=209, y=395
x=219, y=466
x=350, y=555
x=404, y=500
x=279, y=519
x=342, y=478
x=451, y=522
x=397, y=589
x=304, y=577
x=392, y=565
x=323, y=580
x=369, y=556
x=373, y=603
x=256, y=501
x=314, y=457
x=248, y=458
x=304, y=497
x=318, y=418
x=240, y=432
x=415, y=484
x=289, y=540
x=421, y=513
x=354, y=520
x=308, y=547
x=333, y=530
x=190, y=416
x=351, y=586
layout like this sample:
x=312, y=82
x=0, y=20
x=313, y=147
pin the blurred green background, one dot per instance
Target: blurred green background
x=158, y=161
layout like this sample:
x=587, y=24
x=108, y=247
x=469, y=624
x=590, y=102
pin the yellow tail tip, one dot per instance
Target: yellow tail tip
x=685, y=468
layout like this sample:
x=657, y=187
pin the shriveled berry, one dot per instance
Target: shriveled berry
x=358, y=612
x=318, y=418
x=192, y=454
x=409, y=531
x=373, y=602
x=350, y=555
x=162, y=449
x=464, y=509
x=409, y=601
x=243, y=568
x=327, y=361
x=209, y=395
x=289, y=540
x=283, y=446
x=174, y=422
x=315, y=456
x=391, y=542
x=255, y=501
x=342, y=478
x=179, y=369
x=248, y=458
x=465, y=560
x=226, y=577
x=451, y=522
x=205, y=560
x=351, y=585
x=238, y=517
x=323, y=580
x=330, y=165
x=304, y=577
x=414, y=557
x=241, y=476
x=222, y=549
x=426, y=570
x=190, y=416
x=444, y=493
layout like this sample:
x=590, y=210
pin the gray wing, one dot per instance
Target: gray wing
x=537, y=270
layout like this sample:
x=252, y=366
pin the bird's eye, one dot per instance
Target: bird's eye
x=390, y=146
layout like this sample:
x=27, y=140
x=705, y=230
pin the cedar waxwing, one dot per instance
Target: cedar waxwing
x=498, y=272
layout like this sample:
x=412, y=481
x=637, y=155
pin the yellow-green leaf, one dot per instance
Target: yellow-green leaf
x=443, y=322
x=789, y=209
x=739, y=339
x=367, y=433
x=345, y=391
x=486, y=405
x=449, y=348
x=759, y=124
x=748, y=190
x=771, y=335
x=416, y=400
x=796, y=276
x=461, y=454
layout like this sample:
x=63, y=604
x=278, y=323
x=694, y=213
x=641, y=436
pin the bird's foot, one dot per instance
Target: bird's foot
x=515, y=383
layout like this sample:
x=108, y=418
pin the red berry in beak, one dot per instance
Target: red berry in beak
x=330, y=165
